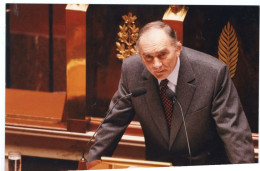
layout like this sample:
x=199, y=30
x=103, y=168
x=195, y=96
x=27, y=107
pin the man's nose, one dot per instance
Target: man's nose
x=156, y=63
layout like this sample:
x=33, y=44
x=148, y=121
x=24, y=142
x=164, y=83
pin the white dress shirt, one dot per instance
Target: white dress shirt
x=173, y=77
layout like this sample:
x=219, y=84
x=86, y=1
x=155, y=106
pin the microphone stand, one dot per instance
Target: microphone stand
x=82, y=165
x=172, y=96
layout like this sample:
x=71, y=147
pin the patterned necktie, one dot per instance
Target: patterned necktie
x=167, y=103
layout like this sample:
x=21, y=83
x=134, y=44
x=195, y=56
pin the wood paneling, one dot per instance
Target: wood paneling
x=202, y=27
x=29, y=47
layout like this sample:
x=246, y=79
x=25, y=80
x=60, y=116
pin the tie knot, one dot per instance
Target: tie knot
x=164, y=83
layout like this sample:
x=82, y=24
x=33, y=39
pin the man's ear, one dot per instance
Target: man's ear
x=178, y=48
x=139, y=52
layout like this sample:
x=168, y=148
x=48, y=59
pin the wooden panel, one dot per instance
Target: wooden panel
x=29, y=18
x=76, y=62
x=34, y=104
x=64, y=145
x=29, y=47
x=29, y=62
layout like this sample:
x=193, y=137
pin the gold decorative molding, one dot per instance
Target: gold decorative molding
x=228, y=48
x=77, y=7
x=127, y=36
x=175, y=12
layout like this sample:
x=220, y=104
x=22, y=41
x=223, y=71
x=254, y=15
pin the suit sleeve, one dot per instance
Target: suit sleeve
x=231, y=122
x=114, y=126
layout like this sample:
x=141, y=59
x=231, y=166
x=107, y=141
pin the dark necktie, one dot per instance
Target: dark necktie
x=167, y=103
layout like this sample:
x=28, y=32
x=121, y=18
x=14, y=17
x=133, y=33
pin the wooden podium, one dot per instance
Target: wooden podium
x=121, y=163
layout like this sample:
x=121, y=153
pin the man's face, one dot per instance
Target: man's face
x=158, y=53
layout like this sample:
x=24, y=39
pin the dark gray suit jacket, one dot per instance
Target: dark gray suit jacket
x=217, y=128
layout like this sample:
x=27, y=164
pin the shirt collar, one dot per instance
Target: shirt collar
x=173, y=77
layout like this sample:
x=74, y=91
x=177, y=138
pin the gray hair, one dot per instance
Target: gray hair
x=157, y=25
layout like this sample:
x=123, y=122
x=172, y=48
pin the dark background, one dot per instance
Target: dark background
x=36, y=59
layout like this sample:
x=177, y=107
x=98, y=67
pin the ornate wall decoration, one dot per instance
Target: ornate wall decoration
x=176, y=12
x=228, y=48
x=127, y=36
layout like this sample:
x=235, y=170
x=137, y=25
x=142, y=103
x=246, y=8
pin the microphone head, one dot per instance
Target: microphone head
x=138, y=91
x=170, y=94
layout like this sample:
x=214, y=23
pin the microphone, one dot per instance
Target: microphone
x=135, y=93
x=172, y=96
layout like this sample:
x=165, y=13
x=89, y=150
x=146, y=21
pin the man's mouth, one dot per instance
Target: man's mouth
x=159, y=72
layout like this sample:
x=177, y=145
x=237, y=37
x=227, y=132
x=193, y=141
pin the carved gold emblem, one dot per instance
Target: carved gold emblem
x=175, y=12
x=228, y=48
x=127, y=36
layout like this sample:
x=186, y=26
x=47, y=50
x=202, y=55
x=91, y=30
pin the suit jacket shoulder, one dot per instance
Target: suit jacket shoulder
x=133, y=63
x=199, y=59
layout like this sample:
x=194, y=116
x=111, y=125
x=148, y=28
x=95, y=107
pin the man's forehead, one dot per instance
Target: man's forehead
x=154, y=33
x=154, y=41
x=154, y=51
x=154, y=37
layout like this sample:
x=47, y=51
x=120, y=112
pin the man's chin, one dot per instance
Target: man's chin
x=160, y=77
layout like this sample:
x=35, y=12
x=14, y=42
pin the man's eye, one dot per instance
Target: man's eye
x=148, y=57
x=161, y=55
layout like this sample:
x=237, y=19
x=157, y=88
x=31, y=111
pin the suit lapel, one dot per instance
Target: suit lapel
x=154, y=104
x=185, y=91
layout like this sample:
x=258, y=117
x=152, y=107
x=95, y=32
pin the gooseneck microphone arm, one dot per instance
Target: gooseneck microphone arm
x=171, y=95
x=135, y=93
x=86, y=147
x=187, y=138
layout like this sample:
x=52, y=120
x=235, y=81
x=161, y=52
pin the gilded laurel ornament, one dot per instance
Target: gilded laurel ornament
x=228, y=48
x=127, y=37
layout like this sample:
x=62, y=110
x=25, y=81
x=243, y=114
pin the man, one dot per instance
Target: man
x=216, y=126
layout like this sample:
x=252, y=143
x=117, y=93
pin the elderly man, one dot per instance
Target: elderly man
x=207, y=125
